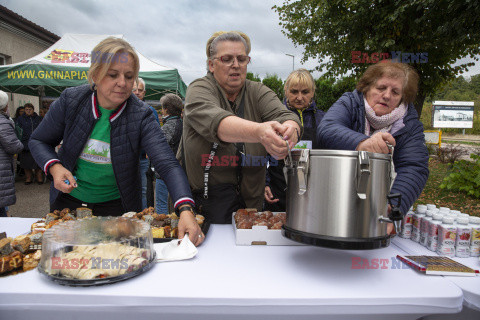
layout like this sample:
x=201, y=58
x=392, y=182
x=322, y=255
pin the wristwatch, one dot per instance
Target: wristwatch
x=186, y=208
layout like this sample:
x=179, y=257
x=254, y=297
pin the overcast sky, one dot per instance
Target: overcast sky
x=174, y=32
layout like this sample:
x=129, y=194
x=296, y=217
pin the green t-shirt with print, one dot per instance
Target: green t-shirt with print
x=95, y=179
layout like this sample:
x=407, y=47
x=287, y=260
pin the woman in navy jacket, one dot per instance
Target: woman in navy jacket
x=104, y=127
x=378, y=112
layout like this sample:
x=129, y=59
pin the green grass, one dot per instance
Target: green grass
x=443, y=197
x=460, y=142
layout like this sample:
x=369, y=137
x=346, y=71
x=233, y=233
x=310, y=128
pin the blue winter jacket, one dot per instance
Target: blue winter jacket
x=133, y=127
x=343, y=128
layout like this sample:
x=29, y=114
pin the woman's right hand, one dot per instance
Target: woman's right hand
x=269, y=195
x=377, y=143
x=60, y=174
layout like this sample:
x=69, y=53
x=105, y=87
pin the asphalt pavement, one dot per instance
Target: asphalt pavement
x=32, y=200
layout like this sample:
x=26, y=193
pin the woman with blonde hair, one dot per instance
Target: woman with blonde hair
x=104, y=127
x=299, y=98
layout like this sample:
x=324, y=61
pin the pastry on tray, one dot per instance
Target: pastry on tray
x=163, y=225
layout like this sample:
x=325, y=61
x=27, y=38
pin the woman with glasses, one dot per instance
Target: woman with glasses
x=230, y=124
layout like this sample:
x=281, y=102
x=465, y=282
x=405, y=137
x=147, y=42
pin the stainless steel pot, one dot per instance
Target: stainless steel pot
x=339, y=198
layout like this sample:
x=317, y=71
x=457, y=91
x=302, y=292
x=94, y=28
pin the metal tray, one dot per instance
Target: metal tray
x=205, y=227
x=98, y=282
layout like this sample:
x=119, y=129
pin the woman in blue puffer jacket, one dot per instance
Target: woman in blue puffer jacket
x=378, y=112
x=104, y=127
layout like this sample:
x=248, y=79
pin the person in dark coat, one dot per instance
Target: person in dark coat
x=379, y=112
x=28, y=122
x=299, y=92
x=140, y=89
x=9, y=145
x=172, y=107
x=18, y=113
x=104, y=128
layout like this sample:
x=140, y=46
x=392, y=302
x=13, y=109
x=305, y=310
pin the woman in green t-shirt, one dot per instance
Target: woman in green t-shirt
x=104, y=127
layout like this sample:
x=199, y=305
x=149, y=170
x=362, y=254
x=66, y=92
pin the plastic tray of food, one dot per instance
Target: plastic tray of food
x=96, y=251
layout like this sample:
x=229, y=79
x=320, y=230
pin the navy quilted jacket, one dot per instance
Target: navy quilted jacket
x=343, y=128
x=28, y=125
x=133, y=128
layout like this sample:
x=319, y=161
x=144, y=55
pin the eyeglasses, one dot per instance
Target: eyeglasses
x=228, y=60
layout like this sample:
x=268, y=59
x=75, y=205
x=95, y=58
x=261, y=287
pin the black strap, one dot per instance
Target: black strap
x=240, y=153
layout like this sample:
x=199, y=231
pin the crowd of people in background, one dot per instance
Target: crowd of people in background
x=225, y=116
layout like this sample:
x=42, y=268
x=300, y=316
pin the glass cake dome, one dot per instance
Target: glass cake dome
x=97, y=250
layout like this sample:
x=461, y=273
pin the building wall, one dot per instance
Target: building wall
x=19, y=47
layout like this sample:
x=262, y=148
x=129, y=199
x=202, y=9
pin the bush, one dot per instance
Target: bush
x=432, y=149
x=465, y=177
x=450, y=153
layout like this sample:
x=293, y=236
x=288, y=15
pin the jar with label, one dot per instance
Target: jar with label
x=464, y=233
x=407, y=225
x=455, y=212
x=430, y=206
x=433, y=231
x=424, y=226
x=416, y=226
x=447, y=234
x=475, y=239
x=464, y=215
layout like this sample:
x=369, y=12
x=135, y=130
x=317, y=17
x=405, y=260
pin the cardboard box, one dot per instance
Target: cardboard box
x=261, y=235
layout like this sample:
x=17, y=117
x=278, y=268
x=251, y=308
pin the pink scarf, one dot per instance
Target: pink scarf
x=390, y=122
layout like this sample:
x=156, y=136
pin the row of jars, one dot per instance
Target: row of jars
x=444, y=231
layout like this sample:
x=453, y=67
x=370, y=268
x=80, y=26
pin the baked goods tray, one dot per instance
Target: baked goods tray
x=204, y=228
x=98, y=282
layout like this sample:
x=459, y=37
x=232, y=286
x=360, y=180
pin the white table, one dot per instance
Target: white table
x=469, y=285
x=238, y=282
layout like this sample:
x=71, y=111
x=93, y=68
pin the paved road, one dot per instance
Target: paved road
x=32, y=200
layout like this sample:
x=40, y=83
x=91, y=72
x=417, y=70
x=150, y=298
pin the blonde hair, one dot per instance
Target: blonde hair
x=392, y=70
x=221, y=36
x=107, y=52
x=300, y=77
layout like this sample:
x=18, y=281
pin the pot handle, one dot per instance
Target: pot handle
x=302, y=171
x=364, y=170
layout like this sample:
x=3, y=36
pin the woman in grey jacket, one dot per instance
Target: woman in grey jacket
x=9, y=145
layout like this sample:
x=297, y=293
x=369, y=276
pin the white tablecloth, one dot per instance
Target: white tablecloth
x=238, y=282
x=469, y=285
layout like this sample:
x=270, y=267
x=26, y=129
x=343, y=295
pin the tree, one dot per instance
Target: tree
x=437, y=32
x=252, y=77
x=328, y=90
x=276, y=84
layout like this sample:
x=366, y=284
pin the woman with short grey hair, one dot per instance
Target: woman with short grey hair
x=9, y=145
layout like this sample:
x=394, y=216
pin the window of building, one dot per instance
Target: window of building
x=4, y=59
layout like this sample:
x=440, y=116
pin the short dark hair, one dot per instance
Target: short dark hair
x=394, y=70
x=172, y=104
x=28, y=105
